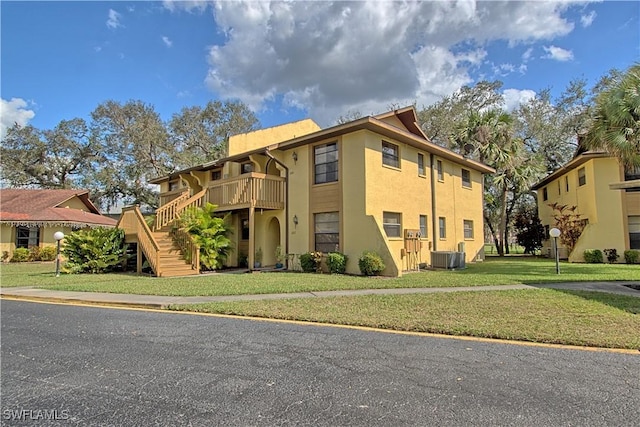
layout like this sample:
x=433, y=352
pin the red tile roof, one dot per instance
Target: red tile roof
x=44, y=207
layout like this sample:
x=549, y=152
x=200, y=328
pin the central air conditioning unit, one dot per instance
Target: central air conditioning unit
x=448, y=260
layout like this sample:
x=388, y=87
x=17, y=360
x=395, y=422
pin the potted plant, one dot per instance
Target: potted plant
x=257, y=263
x=280, y=257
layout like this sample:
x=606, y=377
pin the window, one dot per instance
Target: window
x=442, y=224
x=326, y=163
x=546, y=231
x=390, y=154
x=582, y=177
x=174, y=185
x=566, y=183
x=423, y=226
x=634, y=232
x=545, y=194
x=468, y=229
x=27, y=237
x=439, y=168
x=420, y=164
x=327, y=232
x=466, y=178
x=392, y=223
x=558, y=188
x=246, y=167
x=216, y=174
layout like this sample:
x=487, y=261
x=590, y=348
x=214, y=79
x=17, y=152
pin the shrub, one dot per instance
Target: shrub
x=48, y=253
x=632, y=256
x=210, y=232
x=34, y=253
x=337, y=262
x=593, y=256
x=20, y=255
x=612, y=255
x=370, y=263
x=311, y=262
x=96, y=250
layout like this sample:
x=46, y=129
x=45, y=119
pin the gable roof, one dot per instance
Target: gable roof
x=27, y=207
x=580, y=158
x=410, y=133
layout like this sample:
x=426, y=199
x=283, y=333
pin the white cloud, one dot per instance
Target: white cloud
x=166, y=41
x=332, y=57
x=514, y=97
x=587, y=20
x=12, y=112
x=557, y=53
x=114, y=19
x=188, y=5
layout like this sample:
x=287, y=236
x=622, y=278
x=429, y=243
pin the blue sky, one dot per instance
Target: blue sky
x=290, y=60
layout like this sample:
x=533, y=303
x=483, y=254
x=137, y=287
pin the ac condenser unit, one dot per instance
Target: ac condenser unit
x=448, y=260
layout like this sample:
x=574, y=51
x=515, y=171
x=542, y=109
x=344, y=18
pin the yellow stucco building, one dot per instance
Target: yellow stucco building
x=605, y=195
x=376, y=183
x=30, y=217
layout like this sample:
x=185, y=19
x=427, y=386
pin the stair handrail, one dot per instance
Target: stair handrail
x=166, y=213
x=132, y=221
x=189, y=248
x=193, y=201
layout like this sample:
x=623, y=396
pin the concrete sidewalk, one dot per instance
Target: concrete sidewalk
x=156, y=301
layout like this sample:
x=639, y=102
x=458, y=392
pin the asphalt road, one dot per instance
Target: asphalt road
x=96, y=366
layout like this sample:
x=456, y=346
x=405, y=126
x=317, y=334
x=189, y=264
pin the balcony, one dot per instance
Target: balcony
x=631, y=173
x=251, y=189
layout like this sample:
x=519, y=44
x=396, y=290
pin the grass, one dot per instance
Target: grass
x=544, y=315
x=494, y=271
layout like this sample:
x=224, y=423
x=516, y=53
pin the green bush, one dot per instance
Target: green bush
x=34, y=253
x=210, y=232
x=612, y=255
x=632, y=256
x=337, y=262
x=20, y=255
x=48, y=253
x=593, y=256
x=311, y=262
x=96, y=250
x=370, y=263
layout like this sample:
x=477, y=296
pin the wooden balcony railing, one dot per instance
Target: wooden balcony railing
x=172, y=195
x=133, y=223
x=250, y=189
x=166, y=213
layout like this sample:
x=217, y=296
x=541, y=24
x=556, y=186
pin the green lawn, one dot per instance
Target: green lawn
x=544, y=315
x=494, y=271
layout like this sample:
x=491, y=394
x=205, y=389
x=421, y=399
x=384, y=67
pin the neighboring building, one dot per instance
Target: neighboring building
x=606, y=196
x=376, y=183
x=31, y=217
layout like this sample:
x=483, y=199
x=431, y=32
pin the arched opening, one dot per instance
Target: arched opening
x=272, y=240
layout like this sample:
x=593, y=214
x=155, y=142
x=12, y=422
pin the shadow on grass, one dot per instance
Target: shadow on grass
x=626, y=303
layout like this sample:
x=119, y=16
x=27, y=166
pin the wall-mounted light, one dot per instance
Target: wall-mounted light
x=295, y=220
x=295, y=157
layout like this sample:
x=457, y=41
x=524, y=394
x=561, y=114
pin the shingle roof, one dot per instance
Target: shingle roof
x=45, y=207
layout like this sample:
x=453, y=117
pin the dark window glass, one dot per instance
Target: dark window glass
x=420, y=164
x=390, y=154
x=327, y=232
x=440, y=172
x=326, y=163
x=582, y=177
x=423, y=226
x=27, y=237
x=442, y=223
x=466, y=178
x=392, y=224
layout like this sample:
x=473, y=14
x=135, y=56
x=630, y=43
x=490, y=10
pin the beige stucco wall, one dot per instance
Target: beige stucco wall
x=595, y=201
x=265, y=137
x=74, y=203
x=8, y=237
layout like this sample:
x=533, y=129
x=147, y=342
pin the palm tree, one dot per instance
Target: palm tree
x=615, y=126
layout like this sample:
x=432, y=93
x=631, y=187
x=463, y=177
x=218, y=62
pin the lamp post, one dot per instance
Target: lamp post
x=58, y=235
x=555, y=233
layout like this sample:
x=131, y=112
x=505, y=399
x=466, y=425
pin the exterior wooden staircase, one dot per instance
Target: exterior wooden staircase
x=170, y=252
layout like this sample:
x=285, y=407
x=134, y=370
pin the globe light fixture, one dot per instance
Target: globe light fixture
x=555, y=233
x=58, y=236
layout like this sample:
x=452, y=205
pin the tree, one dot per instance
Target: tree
x=55, y=158
x=615, y=126
x=134, y=147
x=529, y=230
x=202, y=134
x=570, y=224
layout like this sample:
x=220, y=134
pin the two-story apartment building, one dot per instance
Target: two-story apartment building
x=376, y=183
x=606, y=196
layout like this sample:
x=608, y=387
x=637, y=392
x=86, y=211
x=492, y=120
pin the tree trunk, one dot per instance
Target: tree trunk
x=503, y=219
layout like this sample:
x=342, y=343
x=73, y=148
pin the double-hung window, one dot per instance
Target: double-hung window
x=423, y=226
x=327, y=232
x=466, y=178
x=326, y=163
x=27, y=237
x=440, y=171
x=442, y=225
x=390, y=154
x=392, y=224
x=582, y=177
x=468, y=229
x=421, y=164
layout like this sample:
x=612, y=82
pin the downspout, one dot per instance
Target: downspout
x=433, y=203
x=286, y=199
